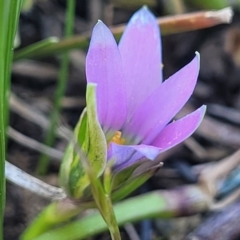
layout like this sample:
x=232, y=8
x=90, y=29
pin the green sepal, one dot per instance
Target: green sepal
x=90, y=137
x=123, y=175
x=107, y=178
x=133, y=182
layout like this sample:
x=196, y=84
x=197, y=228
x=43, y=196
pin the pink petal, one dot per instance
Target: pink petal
x=173, y=134
x=123, y=156
x=140, y=50
x=179, y=130
x=104, y=67
x=165, y=102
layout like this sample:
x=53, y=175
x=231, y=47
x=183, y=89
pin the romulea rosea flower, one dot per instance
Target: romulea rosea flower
x=129, y=112
x=134, y=106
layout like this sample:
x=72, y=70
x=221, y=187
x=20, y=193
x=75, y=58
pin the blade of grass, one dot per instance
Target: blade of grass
x=9, y=15
x=185, y=201
x=61, y=86
x=169, y=25
x=36, y=47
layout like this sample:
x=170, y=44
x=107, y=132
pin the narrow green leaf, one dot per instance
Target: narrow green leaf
x=35, y=48
x=213, y=4
x=9, y=15
x=149, y=205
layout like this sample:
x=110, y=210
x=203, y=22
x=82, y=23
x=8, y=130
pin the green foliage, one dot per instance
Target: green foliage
x=132, y=181
x=122, y=176
x=213, y=4
x=131, y=210
x=9, y=14
x=89, y=137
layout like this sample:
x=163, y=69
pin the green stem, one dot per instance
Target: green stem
x=112, y=221
x=63, y=75
x=104, y=204
x=9, y=14
x=184, y=201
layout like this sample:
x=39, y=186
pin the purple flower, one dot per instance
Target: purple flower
x=134, y=106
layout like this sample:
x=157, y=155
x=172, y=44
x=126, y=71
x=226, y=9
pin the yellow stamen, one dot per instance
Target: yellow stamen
x=117, y=138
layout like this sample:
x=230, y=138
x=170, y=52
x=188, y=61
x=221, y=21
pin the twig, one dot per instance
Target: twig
x=26, y=111
x=215, y=130
x=33, y=144
x=21, y=178
x=229, y=114
x=194, y=21
x=219, y=171
x=169, y=25
x=73, y=102
x=94, y=12
x=131, y=231
x=196, y=148
x=221, y=226
x=226, y=201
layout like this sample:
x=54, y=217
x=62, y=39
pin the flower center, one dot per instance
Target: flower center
x=117, y=138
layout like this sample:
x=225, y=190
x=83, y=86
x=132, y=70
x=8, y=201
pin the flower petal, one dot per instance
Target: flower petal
x=140, y=50
x=171, y=135
x=179, y=130
x=104, y=67
x=127, y=155
x=123, y=156
x=164, y=103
